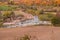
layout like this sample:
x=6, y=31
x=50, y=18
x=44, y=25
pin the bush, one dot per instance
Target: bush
x=8, y=14
x=46, y=17
x=43, y=18
x=1, y=20
x=55, y=21
x=26, y=37
x=1, y=24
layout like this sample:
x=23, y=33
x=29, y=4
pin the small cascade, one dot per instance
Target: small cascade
x=28, y=22
x=33, y=21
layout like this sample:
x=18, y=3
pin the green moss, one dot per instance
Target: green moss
x=6, y=8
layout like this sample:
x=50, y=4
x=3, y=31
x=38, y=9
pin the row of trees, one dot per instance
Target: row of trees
x=37, y=2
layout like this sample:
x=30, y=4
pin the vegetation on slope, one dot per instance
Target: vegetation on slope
x=6, y=8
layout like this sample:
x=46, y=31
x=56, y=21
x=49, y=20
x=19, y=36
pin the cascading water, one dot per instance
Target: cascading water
x=33, y=21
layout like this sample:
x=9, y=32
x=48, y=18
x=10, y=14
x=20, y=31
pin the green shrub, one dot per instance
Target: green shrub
x=46, y=16
x=55, y=21
x=43, y=17
x=1, y=22
x=26, y=37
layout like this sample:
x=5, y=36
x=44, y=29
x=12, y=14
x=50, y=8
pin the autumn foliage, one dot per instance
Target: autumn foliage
x=37, y=1
x=43, y=2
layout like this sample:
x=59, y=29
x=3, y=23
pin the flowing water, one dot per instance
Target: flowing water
x=34, y=21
